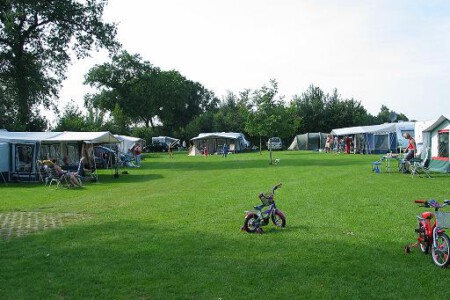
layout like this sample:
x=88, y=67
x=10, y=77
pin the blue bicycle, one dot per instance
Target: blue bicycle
x=256, y=218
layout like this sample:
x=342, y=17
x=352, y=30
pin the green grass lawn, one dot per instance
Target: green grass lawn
x=171, y=230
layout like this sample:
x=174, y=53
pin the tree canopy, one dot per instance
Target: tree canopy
x=37, y=39
x=146, y=94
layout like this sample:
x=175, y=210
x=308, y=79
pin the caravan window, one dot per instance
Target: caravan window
x=24, y=158
x=71, y=154
x=443, y=143
x=50, y=152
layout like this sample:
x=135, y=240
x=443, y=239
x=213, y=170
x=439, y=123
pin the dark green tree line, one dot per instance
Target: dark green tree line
x=322, y=112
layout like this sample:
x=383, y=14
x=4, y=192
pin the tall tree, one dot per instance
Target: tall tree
x=311, y=109
x=127, y=81
x=386, y=115
x=36, y=41
x=146, y=94
x=73, y=119
x=268, y=116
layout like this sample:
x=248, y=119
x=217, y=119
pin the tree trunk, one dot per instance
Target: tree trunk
x=270, y=151
x=23, y=109
x=260, y=145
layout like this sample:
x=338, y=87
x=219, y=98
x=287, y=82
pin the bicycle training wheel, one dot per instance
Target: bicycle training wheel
x=441, y=253
x=251, y=223
x=278, y=219
x=424, y=243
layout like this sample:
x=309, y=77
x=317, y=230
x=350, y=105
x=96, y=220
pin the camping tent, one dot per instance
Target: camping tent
x=25, y=148
x=127, y=142
x=309, y=141
x=436, y=136
x=214, y=141
x=378, y=138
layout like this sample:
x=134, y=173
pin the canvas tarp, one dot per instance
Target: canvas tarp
x=4, y=153
x=104, y=137
x=128, y=142
x=308, y=141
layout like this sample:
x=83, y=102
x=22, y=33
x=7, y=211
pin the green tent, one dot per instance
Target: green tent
x=436, y=137
x=309, y=141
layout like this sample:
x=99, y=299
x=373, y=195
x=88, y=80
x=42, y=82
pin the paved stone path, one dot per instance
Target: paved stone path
x=18, y=223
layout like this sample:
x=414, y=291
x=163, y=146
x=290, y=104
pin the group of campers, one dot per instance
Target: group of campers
x=73, y=178
x=346, y=145
x=339, y=145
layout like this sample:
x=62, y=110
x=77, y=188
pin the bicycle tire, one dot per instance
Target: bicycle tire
x=278, y=219
x=441, y=253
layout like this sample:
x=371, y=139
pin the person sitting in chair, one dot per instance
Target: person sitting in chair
x=410, y=152
x=70, y=176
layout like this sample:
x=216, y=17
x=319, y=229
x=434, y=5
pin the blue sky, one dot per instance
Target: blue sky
x=379, y=52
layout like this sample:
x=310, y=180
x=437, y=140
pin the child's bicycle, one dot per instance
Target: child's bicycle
x=432, y=235
x=255, y=219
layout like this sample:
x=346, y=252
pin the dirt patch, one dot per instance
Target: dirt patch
x=18, y=223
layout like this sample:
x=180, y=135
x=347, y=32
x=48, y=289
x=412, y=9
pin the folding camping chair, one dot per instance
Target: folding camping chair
x=420, y=164
x=86, y=174
x=376, y=166
x=54, y=177
x=41, y=171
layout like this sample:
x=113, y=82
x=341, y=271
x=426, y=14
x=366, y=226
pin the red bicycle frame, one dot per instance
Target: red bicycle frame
x=431, y=235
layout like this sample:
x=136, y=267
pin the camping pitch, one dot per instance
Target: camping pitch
x=378, y=138
x=25, y=148
x=214, y=142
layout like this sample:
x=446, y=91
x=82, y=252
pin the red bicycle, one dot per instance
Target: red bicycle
x=431, y=235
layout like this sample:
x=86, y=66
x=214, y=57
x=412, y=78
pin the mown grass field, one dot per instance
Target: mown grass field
x=171, y=230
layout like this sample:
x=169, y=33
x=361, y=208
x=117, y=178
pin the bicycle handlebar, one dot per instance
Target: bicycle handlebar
x=276, y=187
x=432, y=203
x=261, y=195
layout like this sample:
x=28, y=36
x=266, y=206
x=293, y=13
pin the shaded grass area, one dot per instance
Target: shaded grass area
x=171, y=230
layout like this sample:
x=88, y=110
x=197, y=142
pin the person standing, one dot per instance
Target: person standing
x=225, y=150
x=348, y=142
x=137, y=154
x=329, y=144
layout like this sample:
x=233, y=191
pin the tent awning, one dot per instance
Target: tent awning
x=87, y=137
x=374, y=129
x=67, y=136
x=17, y=137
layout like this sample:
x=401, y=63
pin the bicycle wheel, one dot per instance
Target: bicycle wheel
x=441, y=253
x=278, y=219
x=424, y=241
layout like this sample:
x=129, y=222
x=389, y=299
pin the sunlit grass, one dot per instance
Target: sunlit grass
x=171, y=230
